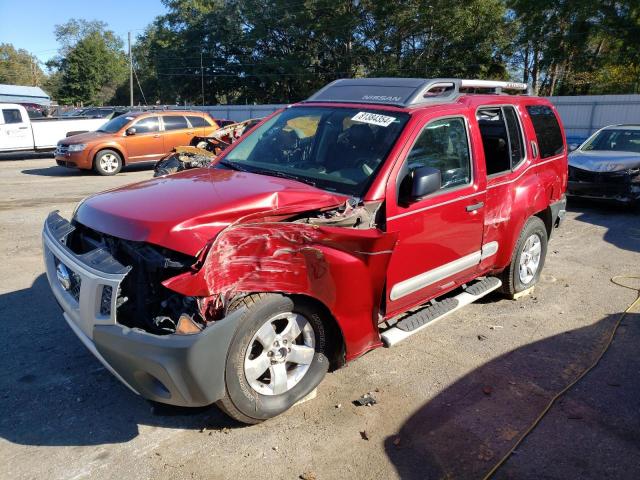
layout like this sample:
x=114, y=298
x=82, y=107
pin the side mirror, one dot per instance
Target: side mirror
x=131, y=131
x=573, y=146
x=425, y=180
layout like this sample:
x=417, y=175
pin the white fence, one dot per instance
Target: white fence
x=585, y=114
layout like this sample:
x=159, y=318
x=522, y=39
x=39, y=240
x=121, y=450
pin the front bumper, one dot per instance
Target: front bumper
x=64, y=158
x=184, y=370
x=617, y=186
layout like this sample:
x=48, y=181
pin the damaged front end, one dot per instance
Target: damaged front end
x=618, y=185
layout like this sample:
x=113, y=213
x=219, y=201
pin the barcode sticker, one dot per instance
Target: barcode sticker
x=373, y=119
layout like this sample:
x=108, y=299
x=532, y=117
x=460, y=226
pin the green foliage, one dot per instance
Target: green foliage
x=19, y=67
x=92, y=63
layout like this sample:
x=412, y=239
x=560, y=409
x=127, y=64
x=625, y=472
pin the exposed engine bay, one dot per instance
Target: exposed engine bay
x=203, y=150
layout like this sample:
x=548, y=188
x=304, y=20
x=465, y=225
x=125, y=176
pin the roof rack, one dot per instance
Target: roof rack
x=408, y=92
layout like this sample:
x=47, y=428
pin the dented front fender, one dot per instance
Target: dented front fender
x=344, y=268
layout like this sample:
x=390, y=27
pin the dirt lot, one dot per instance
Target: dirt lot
x=451, y=400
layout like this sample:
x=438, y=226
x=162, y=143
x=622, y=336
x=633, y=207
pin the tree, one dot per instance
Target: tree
x=19, y=67
x=91, y=64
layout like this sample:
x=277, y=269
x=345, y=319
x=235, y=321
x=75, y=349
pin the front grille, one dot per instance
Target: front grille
x=580, y=175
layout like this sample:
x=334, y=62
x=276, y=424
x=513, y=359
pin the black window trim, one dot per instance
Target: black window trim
x=518, y=166
x=12, y=109
x=471, y=157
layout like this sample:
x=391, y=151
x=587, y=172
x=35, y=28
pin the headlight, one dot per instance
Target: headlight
x=78, y=147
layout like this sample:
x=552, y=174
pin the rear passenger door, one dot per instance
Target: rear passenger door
x=440, y=235
x=177, y=132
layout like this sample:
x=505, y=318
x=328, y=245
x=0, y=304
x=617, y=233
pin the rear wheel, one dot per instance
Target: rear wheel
x=277, y=357
x=107, y=162
x=528, y=258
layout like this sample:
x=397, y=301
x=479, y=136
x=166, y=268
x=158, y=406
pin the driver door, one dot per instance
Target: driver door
x=440, y=235
x=147, y=143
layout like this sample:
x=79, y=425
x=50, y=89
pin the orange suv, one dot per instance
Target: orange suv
x=131, y=138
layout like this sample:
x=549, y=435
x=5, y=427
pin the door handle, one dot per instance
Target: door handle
x=23, y=128
x=475, y=206
x=156, y=135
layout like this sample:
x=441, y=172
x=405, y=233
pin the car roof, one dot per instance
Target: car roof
x=619, y=126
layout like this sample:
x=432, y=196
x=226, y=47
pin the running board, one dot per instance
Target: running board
x=417, y=321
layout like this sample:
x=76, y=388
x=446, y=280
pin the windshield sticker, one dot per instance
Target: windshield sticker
x=373, y=119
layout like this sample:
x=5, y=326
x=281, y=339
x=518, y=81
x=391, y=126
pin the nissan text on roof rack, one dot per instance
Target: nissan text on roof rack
x=327, y=231
x=18, y=132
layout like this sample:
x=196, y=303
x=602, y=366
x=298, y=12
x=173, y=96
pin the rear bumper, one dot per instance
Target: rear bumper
x=184, y=370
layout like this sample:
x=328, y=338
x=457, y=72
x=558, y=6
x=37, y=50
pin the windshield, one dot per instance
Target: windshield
x=114, y=125
x=618, y=140
x=336, y=149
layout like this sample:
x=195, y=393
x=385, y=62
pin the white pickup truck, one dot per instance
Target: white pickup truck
x=20, y=133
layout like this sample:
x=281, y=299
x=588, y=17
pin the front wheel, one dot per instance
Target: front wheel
x=528, y=258
x=277, y=357
x=107, y=162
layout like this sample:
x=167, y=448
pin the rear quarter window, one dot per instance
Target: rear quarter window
x=547, y=130
x=197, y=121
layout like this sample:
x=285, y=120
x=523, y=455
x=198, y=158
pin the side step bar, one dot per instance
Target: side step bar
x=417, y=321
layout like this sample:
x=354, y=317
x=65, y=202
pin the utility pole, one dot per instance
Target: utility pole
x=201, y=77
x=130, y=72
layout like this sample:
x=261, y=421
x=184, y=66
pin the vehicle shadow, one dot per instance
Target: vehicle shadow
x=621, y=221
x=54, y=392
x=26, y=155
x=467, y=428
x=58, y=171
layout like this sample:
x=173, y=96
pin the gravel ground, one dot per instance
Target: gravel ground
x=451, y=400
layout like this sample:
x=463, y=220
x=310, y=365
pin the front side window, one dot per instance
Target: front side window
x=443, y=144
x=147, y=125
x=547, y=130
x=175, y=122
x=612, y=140
x=502, y=140
x=12, y=115
x=336, y=149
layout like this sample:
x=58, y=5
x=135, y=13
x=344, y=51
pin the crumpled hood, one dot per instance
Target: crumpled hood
x=604, y=161
x=83, y=138
x=182, y=212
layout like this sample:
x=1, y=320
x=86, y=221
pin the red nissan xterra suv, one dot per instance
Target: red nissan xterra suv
x=324, y=233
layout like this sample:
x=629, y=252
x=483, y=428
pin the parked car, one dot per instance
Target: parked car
x=18, y=132
x=143, y=136
x=322, y=234
x=607, y=165
x=185, y=158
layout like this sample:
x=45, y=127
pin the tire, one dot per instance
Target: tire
x=107, y=162
x=513, y=279
x=252, y=397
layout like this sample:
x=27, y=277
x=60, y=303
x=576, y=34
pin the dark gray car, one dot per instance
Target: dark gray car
x=607, y=165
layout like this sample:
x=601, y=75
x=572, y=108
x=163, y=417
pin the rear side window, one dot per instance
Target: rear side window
x=547, y=130
x=12, y=116
x=147, y=125
x=175, y=122
x=197, y=122
x=501, y=138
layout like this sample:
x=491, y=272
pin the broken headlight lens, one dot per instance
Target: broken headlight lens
x=78, y=147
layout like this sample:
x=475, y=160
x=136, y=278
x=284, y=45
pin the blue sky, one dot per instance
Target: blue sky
x=29, y=24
